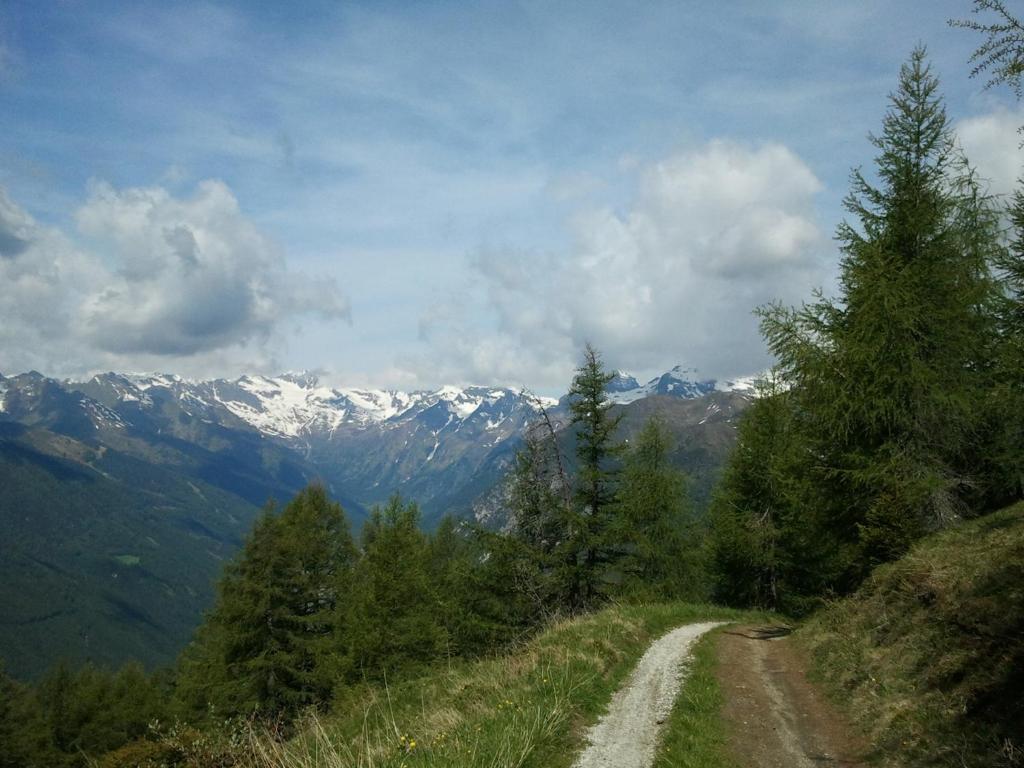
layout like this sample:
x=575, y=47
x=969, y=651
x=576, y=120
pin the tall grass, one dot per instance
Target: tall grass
x=526, y=708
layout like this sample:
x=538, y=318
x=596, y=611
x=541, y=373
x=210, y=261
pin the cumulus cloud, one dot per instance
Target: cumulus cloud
x=712, y=233
x=15, y=228
x=159, y=278
x=992, y=145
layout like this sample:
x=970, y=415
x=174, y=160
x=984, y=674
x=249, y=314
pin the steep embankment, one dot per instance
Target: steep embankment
x=929, y=654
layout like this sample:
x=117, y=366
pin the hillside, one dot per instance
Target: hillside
x=122, y=496
x=105, y=557
x=929, y=653
x=530, y=706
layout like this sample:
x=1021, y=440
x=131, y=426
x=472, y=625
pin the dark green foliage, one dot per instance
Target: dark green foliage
x=769, y=548
x=887, y=379
x=92, y=711
x=1002, y=460
x=585, y=550
x=541, y=556
x=396, y=621
x=483, y=582
x=72, y=717
x=271, y=645
x=595, y=428
x=25, y=740
x=618, y=528
x=653, y=530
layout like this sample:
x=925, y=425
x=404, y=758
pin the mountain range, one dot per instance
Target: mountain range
x=121, y=496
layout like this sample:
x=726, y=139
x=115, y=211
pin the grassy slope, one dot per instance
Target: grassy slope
x=528, y=708
x=929, y=654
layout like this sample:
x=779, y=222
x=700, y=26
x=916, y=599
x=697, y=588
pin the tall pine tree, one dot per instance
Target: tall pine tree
x=272, y=642
x=653, y=531
x=396, y=619
x=586, y=551
x=889, y=376
x=769, y=547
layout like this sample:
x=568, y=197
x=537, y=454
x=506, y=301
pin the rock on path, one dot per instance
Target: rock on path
x=627, y=735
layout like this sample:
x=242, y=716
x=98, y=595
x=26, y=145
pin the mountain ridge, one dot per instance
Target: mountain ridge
x=125, y=491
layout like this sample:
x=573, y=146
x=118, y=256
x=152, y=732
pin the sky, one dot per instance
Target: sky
x=412, y=194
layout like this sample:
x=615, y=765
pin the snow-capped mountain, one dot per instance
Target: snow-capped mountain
x=678, y=382
x=134, y=488
x=294, y=406
x=440, y=446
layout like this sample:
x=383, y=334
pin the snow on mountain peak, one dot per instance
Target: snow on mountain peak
x=622, y=382
x=678, y=382
x=296, y=405
x=739, y=384
x=304, y=379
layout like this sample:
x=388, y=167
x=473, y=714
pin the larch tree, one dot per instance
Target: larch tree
x=653, y=530
x=585, y=553
x=272, y=645
x=768, y=546
x=888, y=376
x=395, y=620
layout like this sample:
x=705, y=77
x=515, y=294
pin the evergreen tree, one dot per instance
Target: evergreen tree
x=25, y=740
x=477, y=579
x=272, y=643
x=396, y=619
x=585, y=552
x=653, y=530
x=888, y=378
x=1006, y=415
x=1000, y=59
x=768, y=547
x=543, y=520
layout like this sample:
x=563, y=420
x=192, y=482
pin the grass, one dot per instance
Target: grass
x=695, y=736
x=928, y=656
x=526, y=708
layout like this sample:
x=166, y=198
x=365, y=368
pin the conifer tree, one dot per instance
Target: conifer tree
x=396, y=619
x=25, y=740
x=477, y=578
x=585, y=552
x=272, y=643
x=1000, y=59
x=653, y=530
x=1006, y=422
x=888, y=377
x=768, y=547
x=543, y=519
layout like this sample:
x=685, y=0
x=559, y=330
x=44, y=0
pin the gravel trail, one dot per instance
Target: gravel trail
x=627, y=735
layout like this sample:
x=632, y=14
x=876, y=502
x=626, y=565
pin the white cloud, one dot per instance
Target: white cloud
x=712, y=233
x=992, y=144
x=163, y=282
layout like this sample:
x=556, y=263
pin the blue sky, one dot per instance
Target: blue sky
x=408, y=194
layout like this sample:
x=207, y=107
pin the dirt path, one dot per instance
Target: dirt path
x=775, y=717
x=627, y=735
